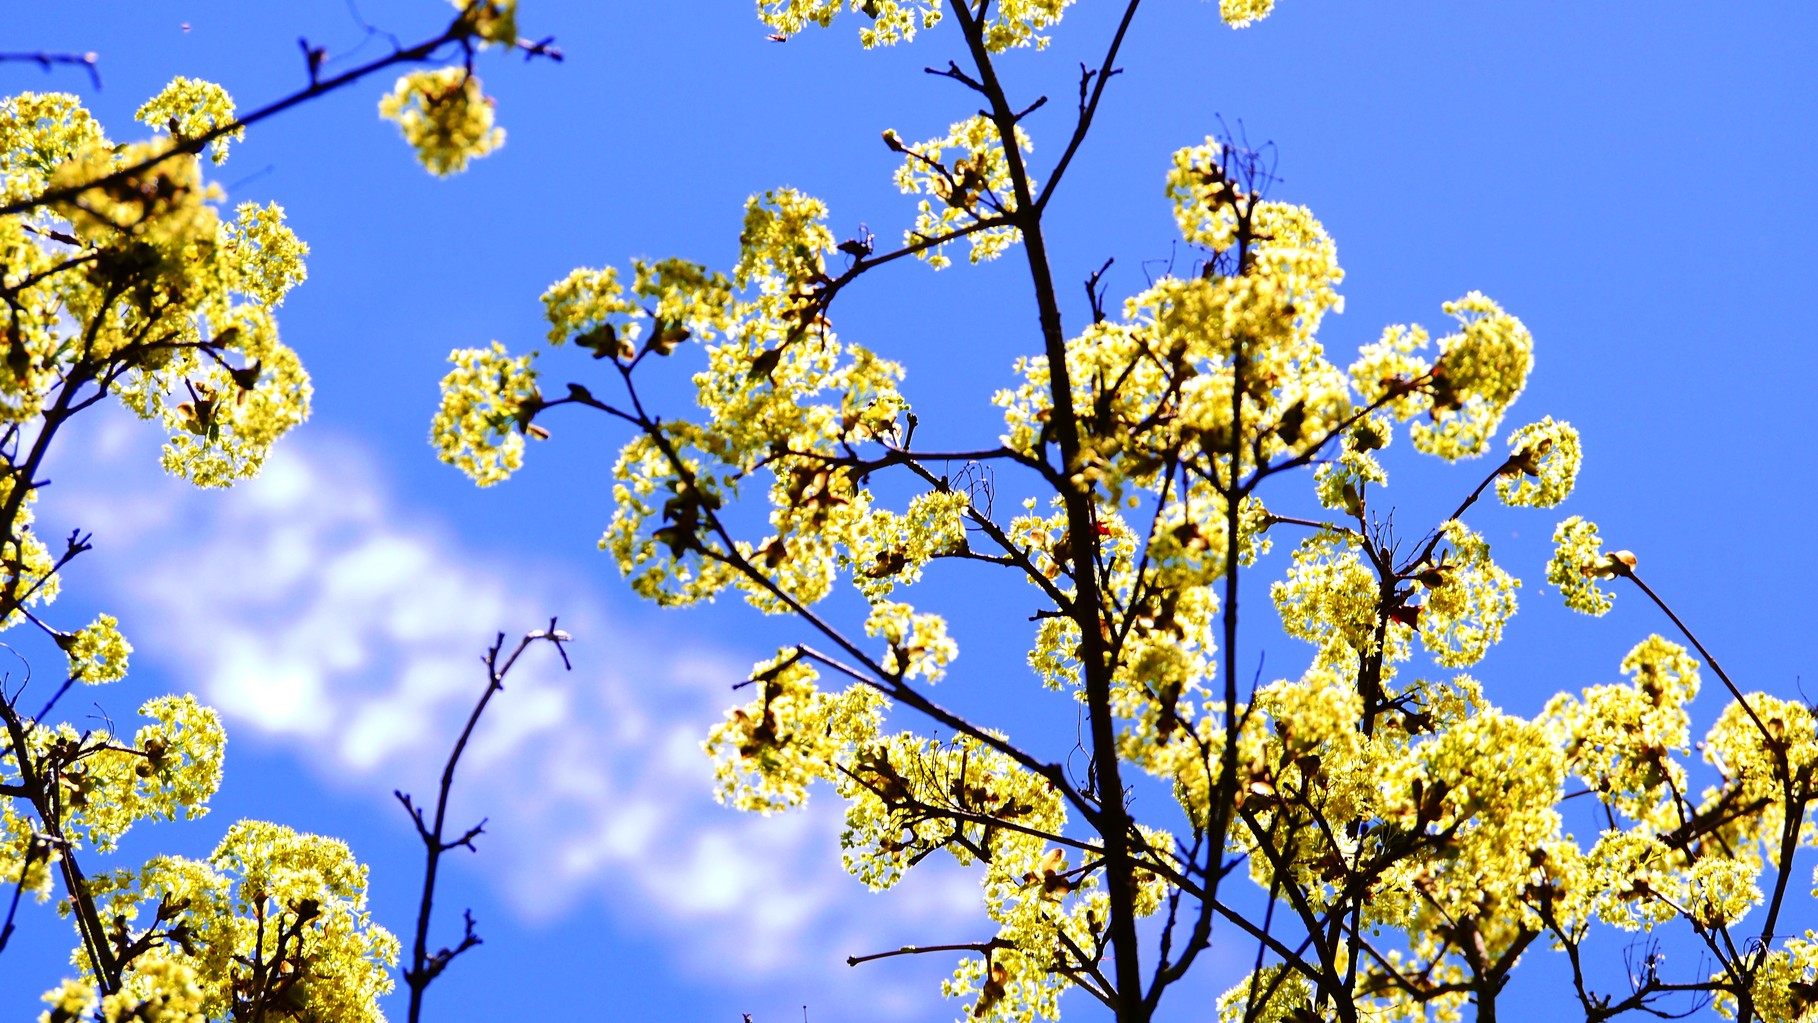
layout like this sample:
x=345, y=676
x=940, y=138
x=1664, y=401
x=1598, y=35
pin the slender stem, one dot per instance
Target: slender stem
x=1089, y=107
x=34, y=848
x=1289, y=520
x=86, y=61
x=425, y=968
x=915, y=950
x=1432, y=543
x=1711, y=659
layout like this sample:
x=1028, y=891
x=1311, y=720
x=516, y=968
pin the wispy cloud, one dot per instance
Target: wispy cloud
x=315, y=606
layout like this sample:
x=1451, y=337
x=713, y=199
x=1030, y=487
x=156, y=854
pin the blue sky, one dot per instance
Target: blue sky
x=1633, y=181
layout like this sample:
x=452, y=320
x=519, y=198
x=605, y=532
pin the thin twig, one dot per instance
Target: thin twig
x=426, y=967
x=86, y=61
x=34, y=849
x=913, y=950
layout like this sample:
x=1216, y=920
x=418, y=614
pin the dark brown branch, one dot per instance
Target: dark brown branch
x=1767, y=737
x=953, y=71
x=1326, y=977
x=916, y=950
x=426, y=967
x=1095, y=292
x=34, y=849
x=1289, y=520
x=1113, y=819
x=1031, y=108
x=11, y=291
x=1091, y=90
x=49, y=61
x=1432, y=544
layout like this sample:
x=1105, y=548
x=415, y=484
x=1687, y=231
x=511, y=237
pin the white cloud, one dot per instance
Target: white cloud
x=315, y=607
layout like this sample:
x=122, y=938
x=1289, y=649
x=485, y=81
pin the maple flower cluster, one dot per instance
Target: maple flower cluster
x=443, y=113
x=445, y=117
x=177, y=302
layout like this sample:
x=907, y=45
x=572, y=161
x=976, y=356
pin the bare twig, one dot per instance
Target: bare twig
x=425, y=966
x=48, y=61
x=913, y=950
x=35, y=849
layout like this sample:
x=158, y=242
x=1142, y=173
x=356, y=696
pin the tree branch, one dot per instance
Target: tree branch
x=48, y=61
x=424, y=967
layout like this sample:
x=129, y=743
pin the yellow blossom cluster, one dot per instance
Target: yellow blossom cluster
x=1330, y=598
x=274, y=921
x=1577, y=564
x=1624, y=740
x=173, y=305
x=493, y=22
x=889, y=550
x=189, y=108
x=1270, y=995
x=1244, y=13
x=483, y=400
x=1022, y=23
x=767, y=752
x=1465, y=391
x=97, y=652
x=444, y=113
x=971, y=190
x=918, y=645
x=1543, y=465
x=168, y=771
x=445, y=117
x=1009, y=23
x=892, y=21
x=1469, y=599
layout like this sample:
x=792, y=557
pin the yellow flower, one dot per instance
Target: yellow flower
x=189, y=108
x=494, y=22
x=97, y=653
x=479, y=427
x=891, y=21
x=971, y=187
x=1544, y=460
x=1578, y=562
x=1243, y=13
x=445, y=118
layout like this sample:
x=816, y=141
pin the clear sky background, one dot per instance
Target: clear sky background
x=1634, y=181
